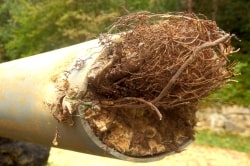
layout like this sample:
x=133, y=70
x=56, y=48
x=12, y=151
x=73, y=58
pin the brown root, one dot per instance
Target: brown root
x=162, y=64
x=165, y=59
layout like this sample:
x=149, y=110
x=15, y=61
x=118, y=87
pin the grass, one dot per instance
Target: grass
x=223, y=140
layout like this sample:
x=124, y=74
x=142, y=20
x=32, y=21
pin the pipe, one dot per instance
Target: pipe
x=27, y=84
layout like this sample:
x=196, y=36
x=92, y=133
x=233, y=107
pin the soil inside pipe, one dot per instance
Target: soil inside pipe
x=139, y=132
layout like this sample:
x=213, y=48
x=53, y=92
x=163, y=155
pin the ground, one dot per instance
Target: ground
x=194, y=155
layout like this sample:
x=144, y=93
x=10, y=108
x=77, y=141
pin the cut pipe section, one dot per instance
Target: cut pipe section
x=27, y=87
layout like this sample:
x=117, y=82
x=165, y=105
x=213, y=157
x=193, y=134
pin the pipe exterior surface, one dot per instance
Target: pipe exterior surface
x=27, y=84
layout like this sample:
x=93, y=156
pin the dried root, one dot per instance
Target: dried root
x=168, y=60
x=155, y=72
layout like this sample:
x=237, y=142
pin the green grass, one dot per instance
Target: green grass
x=223, y=140
x=235, y=93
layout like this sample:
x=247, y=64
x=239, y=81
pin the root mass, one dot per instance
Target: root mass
x=151, y=77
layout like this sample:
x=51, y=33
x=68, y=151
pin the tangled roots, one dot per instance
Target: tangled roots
x=160, y=62
x=168, y=60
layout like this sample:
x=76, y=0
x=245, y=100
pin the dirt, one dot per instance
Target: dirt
x=194, y=155
x=207, y=155
x=137, y=132
x=21, y=153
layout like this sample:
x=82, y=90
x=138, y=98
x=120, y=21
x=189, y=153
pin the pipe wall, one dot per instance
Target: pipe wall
x=27, y=84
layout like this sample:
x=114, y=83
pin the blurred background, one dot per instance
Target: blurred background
x=29, y=27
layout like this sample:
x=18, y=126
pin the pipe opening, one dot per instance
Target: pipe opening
x=140, y=93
